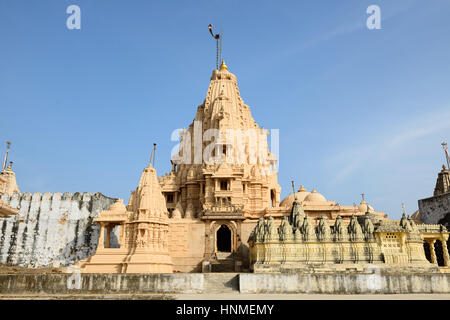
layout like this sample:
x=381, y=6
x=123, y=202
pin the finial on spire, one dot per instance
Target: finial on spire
x=362, y=196
x=404, y=209
x=223, y=66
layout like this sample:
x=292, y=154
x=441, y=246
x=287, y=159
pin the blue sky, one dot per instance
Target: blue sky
x=359, y=111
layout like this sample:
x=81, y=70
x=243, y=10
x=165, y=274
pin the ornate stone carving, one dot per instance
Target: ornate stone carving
x=285, y=230
x=368, y=229
x=297, y=215
x=308, y=230
x=272, y=231
x=354, y=230
x=323, y=230
x=340, y=231
x=404, y=223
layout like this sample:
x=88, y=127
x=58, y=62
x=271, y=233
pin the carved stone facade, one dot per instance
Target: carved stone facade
x=296, y=245
x=230, y=183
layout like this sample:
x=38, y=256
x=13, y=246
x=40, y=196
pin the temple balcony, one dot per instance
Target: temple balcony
x=223, y=194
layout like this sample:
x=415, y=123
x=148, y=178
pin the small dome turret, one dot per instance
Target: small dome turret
x=314, y=196
x=300, y=195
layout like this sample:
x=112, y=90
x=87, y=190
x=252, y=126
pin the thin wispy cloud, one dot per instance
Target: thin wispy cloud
x=349, y=28
x=387, y=146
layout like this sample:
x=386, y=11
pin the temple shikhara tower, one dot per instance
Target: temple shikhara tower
x=222, y=179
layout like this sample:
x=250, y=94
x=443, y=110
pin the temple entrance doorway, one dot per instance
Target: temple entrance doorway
x=439, y=253
x=223, y=239
x=426, y=248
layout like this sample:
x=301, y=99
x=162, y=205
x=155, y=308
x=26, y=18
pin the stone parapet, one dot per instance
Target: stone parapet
x=100, y=283
x=369, y=283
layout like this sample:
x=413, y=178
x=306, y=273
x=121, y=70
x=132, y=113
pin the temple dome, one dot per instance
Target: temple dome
x=314, y=196
x=300, y=195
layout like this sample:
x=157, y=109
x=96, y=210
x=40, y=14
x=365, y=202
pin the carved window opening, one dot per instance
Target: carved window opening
x=223, y=185
x=170, y=198
x=391, y=243
x=272, y=197
x=223, y=237
x=111, y=235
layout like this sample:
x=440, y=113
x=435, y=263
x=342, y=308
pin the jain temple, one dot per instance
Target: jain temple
x=218, y=210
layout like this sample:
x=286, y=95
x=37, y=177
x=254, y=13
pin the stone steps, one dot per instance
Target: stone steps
x=224, y=255
x=222, y=265
x=221, y=282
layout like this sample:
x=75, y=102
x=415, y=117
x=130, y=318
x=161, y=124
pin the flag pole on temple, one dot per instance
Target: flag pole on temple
x=447, y=157
x=8, y=145
x=152, y=156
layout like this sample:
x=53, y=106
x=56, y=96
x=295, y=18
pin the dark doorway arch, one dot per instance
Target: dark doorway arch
x=426, y=248
x=439, y=253
x=223, y=237
x=272, y=197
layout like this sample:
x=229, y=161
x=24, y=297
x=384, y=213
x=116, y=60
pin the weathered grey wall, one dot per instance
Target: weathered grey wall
x=100, y=283
x=51, y=229
x=345, y=283
x=435, y=210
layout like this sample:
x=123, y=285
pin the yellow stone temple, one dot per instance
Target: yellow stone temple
x=219, y=209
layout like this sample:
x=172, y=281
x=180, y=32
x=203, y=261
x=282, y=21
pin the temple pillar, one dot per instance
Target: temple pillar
x=432, y=251
x=445, y=252
x=101, y=240
x=108, y=237
x=121, y=234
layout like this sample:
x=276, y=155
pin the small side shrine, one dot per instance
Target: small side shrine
x=143, y=233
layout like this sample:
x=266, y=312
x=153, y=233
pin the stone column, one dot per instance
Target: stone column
x=121, y=234
x=432, y=251
x=445, y=252
x=101, y=239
